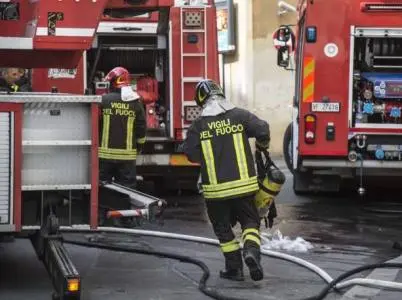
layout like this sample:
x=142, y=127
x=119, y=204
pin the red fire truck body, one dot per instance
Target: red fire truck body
x=175, y=54
x=49, y=140
x=348, y=92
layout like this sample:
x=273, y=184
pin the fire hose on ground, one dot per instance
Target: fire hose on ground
x=336, y=284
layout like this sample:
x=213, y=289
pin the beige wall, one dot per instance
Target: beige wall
x=252, y=78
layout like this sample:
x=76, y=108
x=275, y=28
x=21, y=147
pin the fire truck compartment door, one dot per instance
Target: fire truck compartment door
x=134, y=8
x=5, y=169
x=127, y=28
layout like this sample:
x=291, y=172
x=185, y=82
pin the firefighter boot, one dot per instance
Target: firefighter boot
x=235, y=274
x=252, y=259
x=233, y=267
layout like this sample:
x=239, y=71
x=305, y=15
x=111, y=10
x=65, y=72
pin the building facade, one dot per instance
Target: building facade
x=251, y=77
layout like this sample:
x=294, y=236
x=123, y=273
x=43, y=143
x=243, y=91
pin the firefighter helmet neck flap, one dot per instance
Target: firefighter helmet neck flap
x=210, y=97
x=120, y=78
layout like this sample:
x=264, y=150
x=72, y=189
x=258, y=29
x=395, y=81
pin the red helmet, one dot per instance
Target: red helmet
x=118, y=77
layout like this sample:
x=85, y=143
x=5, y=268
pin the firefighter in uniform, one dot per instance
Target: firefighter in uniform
x=13, y=80
x=122, y=130
x=218, y=140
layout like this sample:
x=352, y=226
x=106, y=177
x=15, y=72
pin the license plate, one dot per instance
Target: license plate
x=325, y=107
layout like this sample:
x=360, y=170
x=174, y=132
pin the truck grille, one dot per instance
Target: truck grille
x=5, y=183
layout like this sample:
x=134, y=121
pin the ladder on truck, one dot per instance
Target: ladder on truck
x=193, y=21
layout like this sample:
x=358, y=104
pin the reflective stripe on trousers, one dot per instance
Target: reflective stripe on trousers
x=231, y=246
x=251, y=235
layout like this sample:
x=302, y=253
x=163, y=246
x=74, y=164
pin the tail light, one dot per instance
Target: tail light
x=310, y=124
x=381, y=7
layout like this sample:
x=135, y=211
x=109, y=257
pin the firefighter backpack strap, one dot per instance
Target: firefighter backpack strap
x=261, y=168
x=268, y=160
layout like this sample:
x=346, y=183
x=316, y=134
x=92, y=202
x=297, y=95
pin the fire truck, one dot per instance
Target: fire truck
x=347, y=121
x=49, y=137
x=167, y=53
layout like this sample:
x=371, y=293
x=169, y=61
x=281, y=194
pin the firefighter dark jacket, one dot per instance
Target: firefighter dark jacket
x=22, y=85
x=122, y=128
x=220, y=144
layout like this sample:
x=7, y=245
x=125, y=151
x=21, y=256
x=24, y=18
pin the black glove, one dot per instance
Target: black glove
x=261, y=146
x=272, y=214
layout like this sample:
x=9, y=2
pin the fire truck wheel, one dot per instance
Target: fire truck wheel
x=288, y=148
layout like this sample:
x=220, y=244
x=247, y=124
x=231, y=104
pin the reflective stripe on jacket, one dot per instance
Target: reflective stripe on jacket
x=220, y=144
x=122, y=128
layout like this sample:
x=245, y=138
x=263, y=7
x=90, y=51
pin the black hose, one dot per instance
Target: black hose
x=186, y=259
x=334, y=282
x=203, y=281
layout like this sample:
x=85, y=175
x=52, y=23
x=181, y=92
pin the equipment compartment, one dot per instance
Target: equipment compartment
x=142, y=56
x=56, y=144
x=377, y=79
x=6, y=155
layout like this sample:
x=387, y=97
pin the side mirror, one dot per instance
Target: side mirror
x=284, y=41
x=283, y=57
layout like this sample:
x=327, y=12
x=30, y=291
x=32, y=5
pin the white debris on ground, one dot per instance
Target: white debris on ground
x=277, y=241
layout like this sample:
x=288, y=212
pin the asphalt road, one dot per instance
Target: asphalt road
x=345, y=235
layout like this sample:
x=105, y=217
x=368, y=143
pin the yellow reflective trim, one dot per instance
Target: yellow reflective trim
x=209, y=160
x=308, y=79
x=308, y=91
x=309, y=67
x=117, y=156
x=141, y=140
x=252, y=238
x=105, y=131
x=117, y=151
x=230, y=246
x=229, y=185
x=231, y=192
x=250, y=230
x=120, y=154
x=129, y=136
x=240, y=155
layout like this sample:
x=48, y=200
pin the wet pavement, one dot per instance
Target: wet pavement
x=345, y=235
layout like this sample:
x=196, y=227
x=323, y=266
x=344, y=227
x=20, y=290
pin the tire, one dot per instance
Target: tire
x=288, y=148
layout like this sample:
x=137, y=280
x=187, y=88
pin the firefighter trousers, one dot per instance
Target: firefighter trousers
x=222, y=214
x=124, y=172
